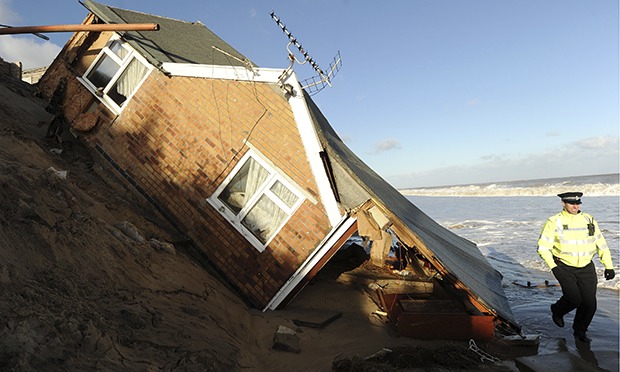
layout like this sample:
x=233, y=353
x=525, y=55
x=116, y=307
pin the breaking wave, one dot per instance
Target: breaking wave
x=597, y=185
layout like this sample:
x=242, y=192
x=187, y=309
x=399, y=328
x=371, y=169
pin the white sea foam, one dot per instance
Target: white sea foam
x=597, y=185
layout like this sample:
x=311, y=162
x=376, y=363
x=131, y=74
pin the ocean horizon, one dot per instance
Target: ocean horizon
x=592, y=185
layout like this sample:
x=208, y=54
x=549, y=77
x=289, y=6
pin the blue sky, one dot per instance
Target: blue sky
x=430, y=93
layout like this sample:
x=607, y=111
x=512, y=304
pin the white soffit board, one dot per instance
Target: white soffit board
x=313, y=149
x=263, y=75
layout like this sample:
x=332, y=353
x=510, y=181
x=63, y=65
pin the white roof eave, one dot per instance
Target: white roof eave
x=263, y=75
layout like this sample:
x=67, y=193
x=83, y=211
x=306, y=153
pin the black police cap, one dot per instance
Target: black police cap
x=571, y=197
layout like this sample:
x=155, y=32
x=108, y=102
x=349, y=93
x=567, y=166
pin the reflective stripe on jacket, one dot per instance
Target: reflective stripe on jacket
x=567, y=237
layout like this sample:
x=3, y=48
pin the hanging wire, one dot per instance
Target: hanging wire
x=248, y=65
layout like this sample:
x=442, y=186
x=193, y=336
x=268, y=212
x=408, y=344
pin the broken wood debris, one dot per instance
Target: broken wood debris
x=315, y=318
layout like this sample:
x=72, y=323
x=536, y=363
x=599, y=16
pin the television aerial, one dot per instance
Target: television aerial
x=314, y=84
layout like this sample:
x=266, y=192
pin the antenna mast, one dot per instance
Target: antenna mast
x=316, y=83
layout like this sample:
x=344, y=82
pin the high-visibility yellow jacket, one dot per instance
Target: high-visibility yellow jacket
x=567, y=237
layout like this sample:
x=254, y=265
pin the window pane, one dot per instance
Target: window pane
x=117, y=49
x=286, y=195
x=127, y=82
x=263, y=219
x=103, y=72
x=244, y=185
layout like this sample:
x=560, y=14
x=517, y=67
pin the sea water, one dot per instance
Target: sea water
x=505, y=221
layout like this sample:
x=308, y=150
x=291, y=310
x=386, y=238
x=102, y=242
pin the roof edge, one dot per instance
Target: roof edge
x=263, y=75
x=97, y=9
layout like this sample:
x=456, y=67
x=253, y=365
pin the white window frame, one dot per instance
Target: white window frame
x=123, y=63
x=235, y=218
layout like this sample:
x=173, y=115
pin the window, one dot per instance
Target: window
x=256, y=200
x=115, y=74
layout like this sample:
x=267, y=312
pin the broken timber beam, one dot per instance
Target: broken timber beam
x=81, y=27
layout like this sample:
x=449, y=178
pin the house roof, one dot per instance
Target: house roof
x=176, y=41
x=356, y=183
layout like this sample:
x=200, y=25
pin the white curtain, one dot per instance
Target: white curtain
x=244, y=185
x=266, y=216
x=256, y=176
x=287, y=196
x=133, y=74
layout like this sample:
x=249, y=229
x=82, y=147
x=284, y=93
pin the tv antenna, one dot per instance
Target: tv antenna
x=316, y=83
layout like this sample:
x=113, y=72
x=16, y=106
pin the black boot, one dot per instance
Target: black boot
x=557, y=319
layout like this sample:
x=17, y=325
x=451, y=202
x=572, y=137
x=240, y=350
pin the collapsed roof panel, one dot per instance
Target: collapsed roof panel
x=459, y=256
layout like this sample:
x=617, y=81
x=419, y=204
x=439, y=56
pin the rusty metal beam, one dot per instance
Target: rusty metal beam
x=76, y=28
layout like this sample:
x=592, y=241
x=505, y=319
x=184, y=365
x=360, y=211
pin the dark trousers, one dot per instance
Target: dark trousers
x=578, y=292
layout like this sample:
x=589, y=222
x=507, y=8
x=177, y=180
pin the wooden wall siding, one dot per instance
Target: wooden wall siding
x=179, y=137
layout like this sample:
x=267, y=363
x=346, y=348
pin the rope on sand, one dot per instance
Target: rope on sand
x=482, y=354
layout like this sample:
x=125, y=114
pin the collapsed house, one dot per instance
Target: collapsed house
x=241, y=160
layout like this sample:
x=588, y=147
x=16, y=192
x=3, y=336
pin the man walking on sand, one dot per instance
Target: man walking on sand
x=567, y=244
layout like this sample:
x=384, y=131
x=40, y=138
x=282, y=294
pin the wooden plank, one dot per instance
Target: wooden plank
x=315, y=318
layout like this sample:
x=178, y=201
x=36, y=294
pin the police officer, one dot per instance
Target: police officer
x=567, y=244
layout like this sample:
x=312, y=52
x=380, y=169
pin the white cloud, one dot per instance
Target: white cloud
x=386, y=145
x=595, y=155
x=598, y=143
x=27, y=50
x=473, y=102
